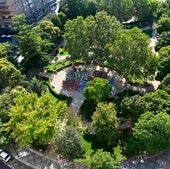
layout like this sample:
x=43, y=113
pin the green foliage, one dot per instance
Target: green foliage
x=118, y=154
x=153, y=131
x=163, y=24
x=135, y=63
x=3, y=135
x=5, y=49
x=164, y=63
x=33, y=48
x=163, y=40
x=133, y=147
x=37, y=86
x=87, y=39
x=9, y=75
x=35, y=120
x=48, y=31
x=165, y=84
x=75, y=8
x=143, y=9
x=103, y=160
x=68, y=143
x=18, y=22
x=132, y=107
x=5, y=102
x=97, y=90
x=58, y=20
x=104, y=122
x=157, y=101
x=123, y=10
x=57, y=95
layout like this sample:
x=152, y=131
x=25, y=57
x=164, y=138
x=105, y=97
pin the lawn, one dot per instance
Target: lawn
x=62, y=51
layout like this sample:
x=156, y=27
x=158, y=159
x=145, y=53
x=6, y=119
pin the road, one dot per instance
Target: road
x=3, y=166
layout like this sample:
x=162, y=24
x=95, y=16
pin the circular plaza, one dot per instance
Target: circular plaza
x=72, y=80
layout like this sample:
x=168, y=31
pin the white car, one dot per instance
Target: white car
x=4, y=155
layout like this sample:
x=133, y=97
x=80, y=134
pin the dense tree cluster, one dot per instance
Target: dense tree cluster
x=100, y=39
x=93, y=33
x=34, y=120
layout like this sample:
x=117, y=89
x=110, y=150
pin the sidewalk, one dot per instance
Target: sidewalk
x=27, y=158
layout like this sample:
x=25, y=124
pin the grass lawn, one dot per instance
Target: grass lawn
x=88, y=151
x=62, y=51
x=54, y=67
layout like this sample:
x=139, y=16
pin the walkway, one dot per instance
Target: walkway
x=158, y=161
x=78, y=97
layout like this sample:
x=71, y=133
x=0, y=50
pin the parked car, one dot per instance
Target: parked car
x=4, y=155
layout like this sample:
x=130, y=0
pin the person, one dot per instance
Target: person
x=74, y=69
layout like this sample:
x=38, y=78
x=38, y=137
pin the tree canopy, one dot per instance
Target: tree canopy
x=18, y=22
x=153, y=131
x=102, y=159
x=104, y=122
x=9, y=75
x=131, y=56
x=87, y=39
x=5, y=49
x=33, y=48
x=97, y=90
x=164, y=62
x=48, y=31
x=165, y=84
x=35, y=120
x=68, y=143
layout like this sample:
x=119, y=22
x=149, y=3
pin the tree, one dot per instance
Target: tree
x=87, y=39
x=18, y=22
x=102, y=29
x=165, y=84
x=75, y=8
x=104, y=122
x=157, y=101
x=163, y=24
x=35, y=120
x=153, y=131
x=164, y=63
x=3, y=136
x=163, y=40
x=143, y=9
x=97, y=90
x=132, y=107
x=34, y=49
x=76, y=40
x=102, y=159
x=68, y=143
x=5, y=101
x=9, y=75
x=123, y=10
x=48, y=31
x=131, y=55
x=37, y=86
x=58, y=20
x=5, y=49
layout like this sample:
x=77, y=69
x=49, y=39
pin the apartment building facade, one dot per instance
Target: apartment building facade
x=33, y=10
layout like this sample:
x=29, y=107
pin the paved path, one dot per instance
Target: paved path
x=78, y=97
x=159, y=161
x=3, y=166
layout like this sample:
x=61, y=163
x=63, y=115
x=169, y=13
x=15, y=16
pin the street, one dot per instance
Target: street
x=3, y=166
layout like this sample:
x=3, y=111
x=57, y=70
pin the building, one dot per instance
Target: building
x=6, y=14
x=34, y=10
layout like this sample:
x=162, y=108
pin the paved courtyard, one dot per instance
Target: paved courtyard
x=117, y=82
